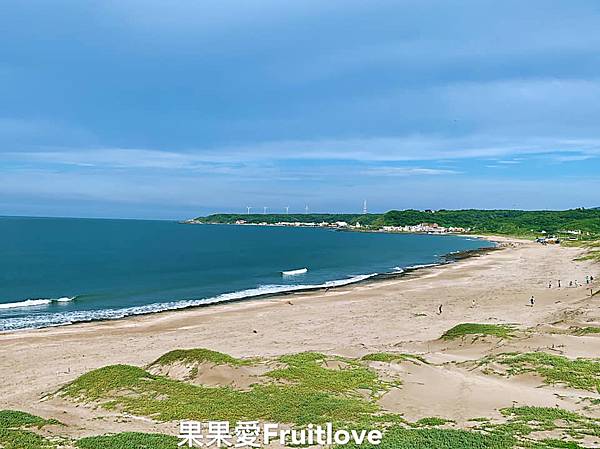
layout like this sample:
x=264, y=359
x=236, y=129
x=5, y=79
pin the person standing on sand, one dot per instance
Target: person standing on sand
x=532, y=300
x=559, y=283
x=473, y=303
x=440, y=309
x=550, y=284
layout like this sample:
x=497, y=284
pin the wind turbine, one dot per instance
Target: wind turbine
x=287, y=210
x=265, y=209
x=248, y=210
x=306, y=209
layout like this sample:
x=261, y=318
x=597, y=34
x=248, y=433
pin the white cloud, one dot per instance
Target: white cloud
x=409, y=171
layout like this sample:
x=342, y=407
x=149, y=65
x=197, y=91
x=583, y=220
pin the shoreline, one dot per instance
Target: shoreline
x=445, y=259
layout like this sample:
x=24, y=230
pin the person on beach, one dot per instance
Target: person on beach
x=559, y=283
x=440, y=309
x=473, y=303
x=550, y=284
x=532, y=300
x=570, y=283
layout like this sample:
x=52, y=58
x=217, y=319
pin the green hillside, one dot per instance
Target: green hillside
x=513, y=222
x=502, y=221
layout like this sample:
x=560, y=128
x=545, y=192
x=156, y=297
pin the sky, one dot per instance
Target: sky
x=169, y=110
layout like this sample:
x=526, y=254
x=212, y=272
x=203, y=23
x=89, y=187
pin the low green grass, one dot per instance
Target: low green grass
x=23, y=439
x=560, y=444
x=578, y=373
x=389, y=357
x=302, y=392
x=129, y=440
x=462, y=330
x=199, y=355
x=306, y=369
x=432, y=422
x=15, y=435
x=399, y=437
x=539, y=419
x=311, y=388
x=515, y=433
x=586, y=330
x=591, y=255
x=12, y=419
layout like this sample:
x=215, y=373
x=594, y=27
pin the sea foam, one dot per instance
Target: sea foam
x=79, y=316
x=35, y=302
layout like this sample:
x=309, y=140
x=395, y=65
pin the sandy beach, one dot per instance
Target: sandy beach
x=389, y=315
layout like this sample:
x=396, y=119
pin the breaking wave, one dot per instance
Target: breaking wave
x=36, y=302
x=79, y=316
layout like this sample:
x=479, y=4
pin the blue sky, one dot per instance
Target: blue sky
x=153, y=109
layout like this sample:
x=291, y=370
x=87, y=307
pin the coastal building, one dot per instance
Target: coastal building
x=429, y=228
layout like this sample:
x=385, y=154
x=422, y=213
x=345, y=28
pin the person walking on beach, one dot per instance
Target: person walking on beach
x=440, y=309
x=559, y=283
x=532, y=300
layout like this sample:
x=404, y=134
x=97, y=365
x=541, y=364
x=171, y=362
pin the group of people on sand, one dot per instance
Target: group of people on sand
x=575, y=283
x=588, y=281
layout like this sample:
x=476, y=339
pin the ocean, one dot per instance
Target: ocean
x=56, y=271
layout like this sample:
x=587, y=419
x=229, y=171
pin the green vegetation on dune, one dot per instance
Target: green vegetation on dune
x=462, y=330
x=586, y=330
x=302, y=392
x=389, y=357
x=198, y=356
x=540, y=419
x=23, y=439
x=129, y=440
x=312, y=388
x=399, y=437
x=578, y=373
x=305, y=369
x=99, y=383
x=432, y=421
x=508, y=222
x=16, y=419
x=14, y=433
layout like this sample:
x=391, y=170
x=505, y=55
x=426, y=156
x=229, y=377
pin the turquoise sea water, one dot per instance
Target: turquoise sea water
x=60, y=271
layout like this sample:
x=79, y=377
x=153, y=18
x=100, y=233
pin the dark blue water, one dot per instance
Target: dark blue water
x=59, y=271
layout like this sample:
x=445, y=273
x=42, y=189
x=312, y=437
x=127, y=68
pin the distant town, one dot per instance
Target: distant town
x=428, y=228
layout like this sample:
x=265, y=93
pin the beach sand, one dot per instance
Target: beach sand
x=398, y=314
